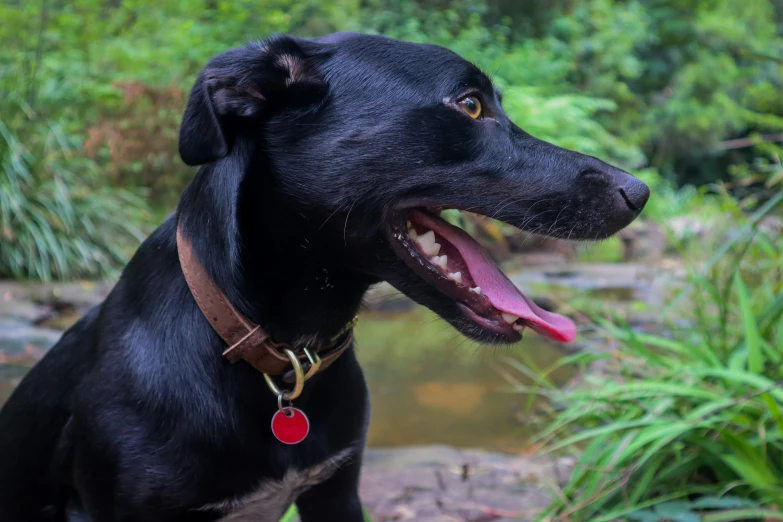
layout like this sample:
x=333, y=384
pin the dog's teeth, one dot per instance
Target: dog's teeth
x=456, y=277
x=518, y=327
x=408, y=224
x=509, y=318
x=476, y=290
x=427, y=243
x=412, y=233
x=427, y=238
x=440, y=261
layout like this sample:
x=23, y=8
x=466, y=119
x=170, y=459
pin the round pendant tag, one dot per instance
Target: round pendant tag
x=290, y=425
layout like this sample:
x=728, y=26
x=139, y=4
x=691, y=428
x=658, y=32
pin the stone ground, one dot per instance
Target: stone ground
x=423, y=484
x=443, y=484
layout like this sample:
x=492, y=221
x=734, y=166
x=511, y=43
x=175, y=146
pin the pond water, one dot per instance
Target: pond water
x=428, y=384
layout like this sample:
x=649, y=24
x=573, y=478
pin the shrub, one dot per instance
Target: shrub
x=635, y=83
x=689, y=423
x=57, y=220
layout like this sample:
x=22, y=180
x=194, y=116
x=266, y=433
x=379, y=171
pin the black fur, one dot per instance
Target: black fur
x=309, y=149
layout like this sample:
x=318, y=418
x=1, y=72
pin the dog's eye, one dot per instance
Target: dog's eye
x=471, y=106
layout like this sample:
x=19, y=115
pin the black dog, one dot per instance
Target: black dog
x=323, y=164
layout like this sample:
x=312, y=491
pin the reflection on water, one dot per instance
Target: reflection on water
x=430, y=385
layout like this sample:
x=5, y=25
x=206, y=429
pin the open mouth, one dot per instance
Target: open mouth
x=451, y=261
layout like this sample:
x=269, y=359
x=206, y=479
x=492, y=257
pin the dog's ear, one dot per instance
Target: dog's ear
x=242, y=85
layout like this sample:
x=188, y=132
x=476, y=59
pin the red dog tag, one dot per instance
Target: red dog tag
x=290, y=425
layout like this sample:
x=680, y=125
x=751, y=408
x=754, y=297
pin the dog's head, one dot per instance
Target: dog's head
x=355, y=141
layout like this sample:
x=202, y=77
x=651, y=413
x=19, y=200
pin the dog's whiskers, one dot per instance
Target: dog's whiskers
x=524, y=218
x=512, y=202
x=571, y=232
x=345, y=228
x=554, y=223
x=330, y=216
x=528, y=221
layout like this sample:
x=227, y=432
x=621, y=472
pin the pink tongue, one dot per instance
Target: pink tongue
x=502, y=293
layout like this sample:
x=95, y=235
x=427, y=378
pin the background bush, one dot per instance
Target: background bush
x=687, y=425
x=643, y=83
x=57, y=218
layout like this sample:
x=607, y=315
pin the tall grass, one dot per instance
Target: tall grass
x=686, y=425
x=58, y=219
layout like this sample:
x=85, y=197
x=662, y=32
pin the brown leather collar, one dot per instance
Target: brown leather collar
x=245, y=340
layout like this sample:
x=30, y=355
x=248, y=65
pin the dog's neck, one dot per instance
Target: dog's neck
x=259, y=254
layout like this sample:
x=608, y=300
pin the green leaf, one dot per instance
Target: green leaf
x=647, y=477
x=644, y=516
x=759, y=382
x=774, y=410
x=711, y=502
x=596, y=432
x=290, y=514
x=676, y=511
x=748, y=462
x=743, y=514
x=752, y=336
x=772, y=314
x=763, y=211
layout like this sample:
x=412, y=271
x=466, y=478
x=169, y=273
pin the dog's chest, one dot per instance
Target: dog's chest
x=268, y=502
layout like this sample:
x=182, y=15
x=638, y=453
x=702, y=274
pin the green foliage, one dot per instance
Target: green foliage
x=568, y=120
x=56, y=221
x=290, y=515
x=526, y=71
x=705, y=509
x=643, y=83
x=686, y=75
x=687, y=425
x=115, y=74
x=670, y=201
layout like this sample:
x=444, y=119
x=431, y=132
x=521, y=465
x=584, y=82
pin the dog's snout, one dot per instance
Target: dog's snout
x=630, y=193
x=635, y=193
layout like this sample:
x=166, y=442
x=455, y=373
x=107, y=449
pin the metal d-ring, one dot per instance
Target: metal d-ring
x=289, y=395
x=284, y=410
x=315, y=363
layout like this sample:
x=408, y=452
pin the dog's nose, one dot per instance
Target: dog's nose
x=635, y=193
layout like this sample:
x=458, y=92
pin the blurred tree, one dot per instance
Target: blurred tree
x=690, y=88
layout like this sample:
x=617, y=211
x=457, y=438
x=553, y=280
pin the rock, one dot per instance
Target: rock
x=15, y=305
x=643, y=242
x=10, y=376
x=526, y=243
x=686, y=227
x=771, y=225
x=51, y=305
x=439, y=483
x=16, y=336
